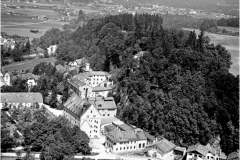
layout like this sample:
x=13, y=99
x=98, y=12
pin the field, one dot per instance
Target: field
x=231, y=43
x=21, y=20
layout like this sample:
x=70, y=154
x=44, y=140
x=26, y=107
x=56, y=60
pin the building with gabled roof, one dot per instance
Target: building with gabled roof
x=162, y=149
x=21, y=99
x=83, y=114
x=201, y=152
x=121, y=137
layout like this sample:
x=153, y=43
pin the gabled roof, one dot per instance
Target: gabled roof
x=203, y=150
x=121, y=132
x=76, y=106
x=163, y=146
x=21, y=97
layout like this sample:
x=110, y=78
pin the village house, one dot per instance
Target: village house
x=162, y=149
x=91, y=84
x=21, y=99
x=31, y=80
x=51, y=50
x=201, y=152
x=5, y=80
x=83, y=114
x=121, y=137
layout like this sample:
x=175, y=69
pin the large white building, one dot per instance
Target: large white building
x=88, y=113
x=91, y=84
x=21, y=99
x=121, y=137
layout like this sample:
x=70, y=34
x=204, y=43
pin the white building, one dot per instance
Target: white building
x=5, y=80
x=91, y=84
x=201, y=152
x=21, y=99
x=31, y=80
x=162, y=149
x=121, y=137
x=83, y=114
x=51, y=50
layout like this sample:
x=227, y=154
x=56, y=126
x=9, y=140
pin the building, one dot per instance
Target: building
x=233, y=156
x=121, y=137
x=21, y=99
x=31, y=80
x=162, y=149
x=5, y=80
x=83, y=114
x=105, y=106
x=91, y=84
x=201, y=152
x=51, y=50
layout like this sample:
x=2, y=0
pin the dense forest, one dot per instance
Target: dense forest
x=179, y=87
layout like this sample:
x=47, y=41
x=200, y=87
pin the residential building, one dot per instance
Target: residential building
x=83, y=114
x=51, y=50
x=121, y=137
x=91, y=84
x=201, y=152
x=105, y=105
x=31, y=80
x=21, y=99
x=162, y=149
x=5, y=80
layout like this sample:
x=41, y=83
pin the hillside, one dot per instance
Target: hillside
x=179, y=87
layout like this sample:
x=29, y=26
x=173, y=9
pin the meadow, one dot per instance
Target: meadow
x=231, y=43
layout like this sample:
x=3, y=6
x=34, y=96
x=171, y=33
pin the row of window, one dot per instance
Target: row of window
x=140, y=146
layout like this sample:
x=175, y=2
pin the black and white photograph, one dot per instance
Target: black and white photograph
x=119, y=80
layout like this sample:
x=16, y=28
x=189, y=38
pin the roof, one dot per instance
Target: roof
x=182, y=149
x=163, y=145
x=233, y=155
x=60, y=68
x=103, y=103
x=101, y=88
x=121, y=132
x=108, y=120
x=26, y=65
x=76, y=106
x=29, y=76
x=201, y=149
x=21, y=97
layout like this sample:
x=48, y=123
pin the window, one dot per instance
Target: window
x=108, y=114
x=140, y=145
x=120, y=148
x=116, y=149
x=143, y=145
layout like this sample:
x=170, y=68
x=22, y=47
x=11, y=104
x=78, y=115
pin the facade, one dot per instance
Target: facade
x=31, y=79
x=200, y=152
x=21, y=99
x=91, y=84
x=83, y=114
x=105, y=105
x=162, y=149
x=51, y=50
x=121, y=137
x=5, y=79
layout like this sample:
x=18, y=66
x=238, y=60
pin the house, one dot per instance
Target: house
x=91, y=84
x=83, y=114
x=31, y=79
x=81, y=64
x=105, y=105
x=179, y=152
x=51, y=50
x=21, y=99
x=5, y=79
x=121, y=137
x=201, y=152
x=162, y=149
x=233, y=155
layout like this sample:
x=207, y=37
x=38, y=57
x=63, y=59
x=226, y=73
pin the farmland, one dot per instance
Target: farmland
x=21, y=18
x=231, y=43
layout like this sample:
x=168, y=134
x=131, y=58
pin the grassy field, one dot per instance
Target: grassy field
x=20, y=21
x=231, y=43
